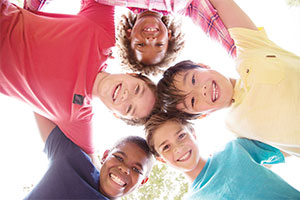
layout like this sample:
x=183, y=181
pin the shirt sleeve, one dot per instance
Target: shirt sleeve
x=203, y=14
x=262, y=153
x=247, y=39
x=34, y=5
x=58, y=145
x=80, y=132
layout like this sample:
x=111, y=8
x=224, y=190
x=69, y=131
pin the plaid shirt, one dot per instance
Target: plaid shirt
x=201, y=12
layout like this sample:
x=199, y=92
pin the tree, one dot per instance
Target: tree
x=164, y=183
x=293, y=2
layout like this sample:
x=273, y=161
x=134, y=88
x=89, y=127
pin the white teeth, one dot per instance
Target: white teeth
x=185, y=156
x=117, y=180
x=150, y=29
x=116, y=92
x=215, y=92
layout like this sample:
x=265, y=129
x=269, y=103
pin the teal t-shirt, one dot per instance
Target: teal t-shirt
x=236, y=173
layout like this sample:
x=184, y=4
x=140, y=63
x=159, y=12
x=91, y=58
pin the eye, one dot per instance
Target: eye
x=137, y=89
x=193, y=80
x=140, y=44
x=129, y=109
x=193, y=101
x=119, y=158
x=137, y=170
x=159, y=44
x=166, y=148
x=181, y=135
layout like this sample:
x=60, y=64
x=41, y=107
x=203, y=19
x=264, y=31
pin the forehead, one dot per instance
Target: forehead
x=167, y=130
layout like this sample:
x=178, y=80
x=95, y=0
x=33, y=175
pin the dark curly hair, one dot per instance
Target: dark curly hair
x=169, y=96
x=128, y=58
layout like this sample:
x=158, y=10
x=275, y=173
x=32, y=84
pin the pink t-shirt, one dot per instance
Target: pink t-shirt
x=50, y=61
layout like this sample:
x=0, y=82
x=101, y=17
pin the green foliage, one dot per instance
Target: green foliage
x=164, y=183
x=293, y=2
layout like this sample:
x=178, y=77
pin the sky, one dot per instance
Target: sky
x=23, y=163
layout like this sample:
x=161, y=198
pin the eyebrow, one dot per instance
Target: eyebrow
x=121, y=152
x=142, y=93
x=185, y=77
x=140, y=166
x=125, y=155
x=176, y=133
x=184, y=83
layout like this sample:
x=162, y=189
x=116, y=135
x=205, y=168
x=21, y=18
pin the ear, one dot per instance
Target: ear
x=116, y=115
x=128, y=33
x=160, y=159
x=105, y=155
x=169, y=34
x=203, y=115
x=204, y=66
x=132, y=74
x=145, y=180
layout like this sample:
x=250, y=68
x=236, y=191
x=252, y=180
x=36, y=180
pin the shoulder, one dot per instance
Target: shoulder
x=58, y=145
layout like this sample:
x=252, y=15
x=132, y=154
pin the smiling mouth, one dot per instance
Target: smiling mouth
x=117, y=180
x=215, y=92
x=185, y=157
x=151, y=29
x=116, y=92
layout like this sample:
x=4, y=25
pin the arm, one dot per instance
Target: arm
x=45, y=126
x=232, y=15
x=204, y=15
x=33, y=5
x=262, y=153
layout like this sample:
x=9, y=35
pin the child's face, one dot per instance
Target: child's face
x=149, y=38
x=123, y=170
x=126, y=95
x=177, y=146
x=206, y=90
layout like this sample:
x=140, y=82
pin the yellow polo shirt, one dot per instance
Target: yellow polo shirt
x=267, y=97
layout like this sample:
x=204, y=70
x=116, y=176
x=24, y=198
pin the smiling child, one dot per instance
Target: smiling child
x=236, y=172
x=72, y=175
x=264, y=102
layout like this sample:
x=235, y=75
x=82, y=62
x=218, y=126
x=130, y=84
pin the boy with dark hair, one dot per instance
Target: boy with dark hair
x=71, y=174
x=56, y=64
x=264, y=102
x=236, y=172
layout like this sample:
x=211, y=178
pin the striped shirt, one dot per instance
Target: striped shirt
x=201, y=12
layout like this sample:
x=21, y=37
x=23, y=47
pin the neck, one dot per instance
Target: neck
x=232, y=81
x=99, y=78
x=192, y=175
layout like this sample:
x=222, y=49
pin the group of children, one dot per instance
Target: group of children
x=56, y=64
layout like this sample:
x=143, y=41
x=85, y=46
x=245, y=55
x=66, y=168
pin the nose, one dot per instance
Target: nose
x=125, y=95
x=176, y=149
x=150, y=38
x=204, y=91
x=123, y=169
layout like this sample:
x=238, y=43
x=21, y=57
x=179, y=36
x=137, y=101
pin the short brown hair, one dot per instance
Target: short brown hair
x=128, y=58
x=169, y=96
x=152, y=86
x=156, y=121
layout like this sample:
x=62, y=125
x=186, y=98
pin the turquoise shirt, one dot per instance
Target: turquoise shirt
x=236, y=173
